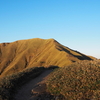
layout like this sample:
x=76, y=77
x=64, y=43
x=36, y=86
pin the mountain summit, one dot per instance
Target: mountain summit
x=18, y=55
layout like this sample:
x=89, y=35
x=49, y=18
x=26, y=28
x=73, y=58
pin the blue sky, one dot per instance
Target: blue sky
x=74, y=23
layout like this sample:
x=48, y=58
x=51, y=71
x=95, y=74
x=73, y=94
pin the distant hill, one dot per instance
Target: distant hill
x=18, y=55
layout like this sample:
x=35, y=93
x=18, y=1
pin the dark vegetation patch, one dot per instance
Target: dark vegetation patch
x=9, y=84
x=79, y=81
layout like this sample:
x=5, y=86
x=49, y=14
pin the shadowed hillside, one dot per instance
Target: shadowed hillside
x=21, y=54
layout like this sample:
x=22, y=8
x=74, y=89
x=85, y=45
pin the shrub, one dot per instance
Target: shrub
x=9, y=84
x=79, y=81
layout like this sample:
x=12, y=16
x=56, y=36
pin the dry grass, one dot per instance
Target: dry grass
x=79, y=81
x=18, y=55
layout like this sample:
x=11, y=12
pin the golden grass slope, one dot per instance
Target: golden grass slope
x=36, y=52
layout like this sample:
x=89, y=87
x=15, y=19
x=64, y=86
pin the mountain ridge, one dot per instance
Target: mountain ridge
x=36, y=52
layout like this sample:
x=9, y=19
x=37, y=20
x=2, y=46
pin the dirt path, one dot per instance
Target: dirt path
x=25, y=91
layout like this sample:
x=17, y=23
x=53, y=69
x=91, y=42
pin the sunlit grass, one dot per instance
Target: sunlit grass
x=18, y=55
x=79, y=81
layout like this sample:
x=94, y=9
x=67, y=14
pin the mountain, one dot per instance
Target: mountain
x=18, y=55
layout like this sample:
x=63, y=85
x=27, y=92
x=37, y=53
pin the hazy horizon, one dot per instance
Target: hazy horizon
x=73, y=23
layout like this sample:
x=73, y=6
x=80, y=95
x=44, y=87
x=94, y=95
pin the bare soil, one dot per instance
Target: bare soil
x=34, y=88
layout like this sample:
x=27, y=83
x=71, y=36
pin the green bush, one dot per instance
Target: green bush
x=9, y=84
x=79, y=81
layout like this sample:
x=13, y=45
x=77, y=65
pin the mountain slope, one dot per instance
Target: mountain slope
x=22, y=54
